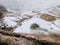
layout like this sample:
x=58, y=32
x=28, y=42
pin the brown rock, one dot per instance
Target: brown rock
x=10, y=38
x=48, y=17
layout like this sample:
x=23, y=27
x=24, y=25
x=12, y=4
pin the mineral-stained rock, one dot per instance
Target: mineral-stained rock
x=15, y=41
x=48, y=17
x=10, y=38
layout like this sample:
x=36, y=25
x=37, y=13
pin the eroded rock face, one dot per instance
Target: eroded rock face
x=48, y=17
x=10, y=38
x=3, y=8
x=1, y=14
x=2, y=11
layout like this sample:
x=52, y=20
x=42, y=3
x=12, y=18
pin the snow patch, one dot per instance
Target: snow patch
x=10, y=22
x=25, y=28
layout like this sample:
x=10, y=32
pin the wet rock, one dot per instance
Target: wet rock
x=34, y=26
x=5, y=27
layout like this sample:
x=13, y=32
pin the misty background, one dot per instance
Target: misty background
x=27, y=5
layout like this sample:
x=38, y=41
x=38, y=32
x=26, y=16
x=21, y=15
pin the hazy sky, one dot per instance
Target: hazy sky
x=29, y=4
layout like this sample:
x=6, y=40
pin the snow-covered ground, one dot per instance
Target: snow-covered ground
x=26, y=17
x=45, y=27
